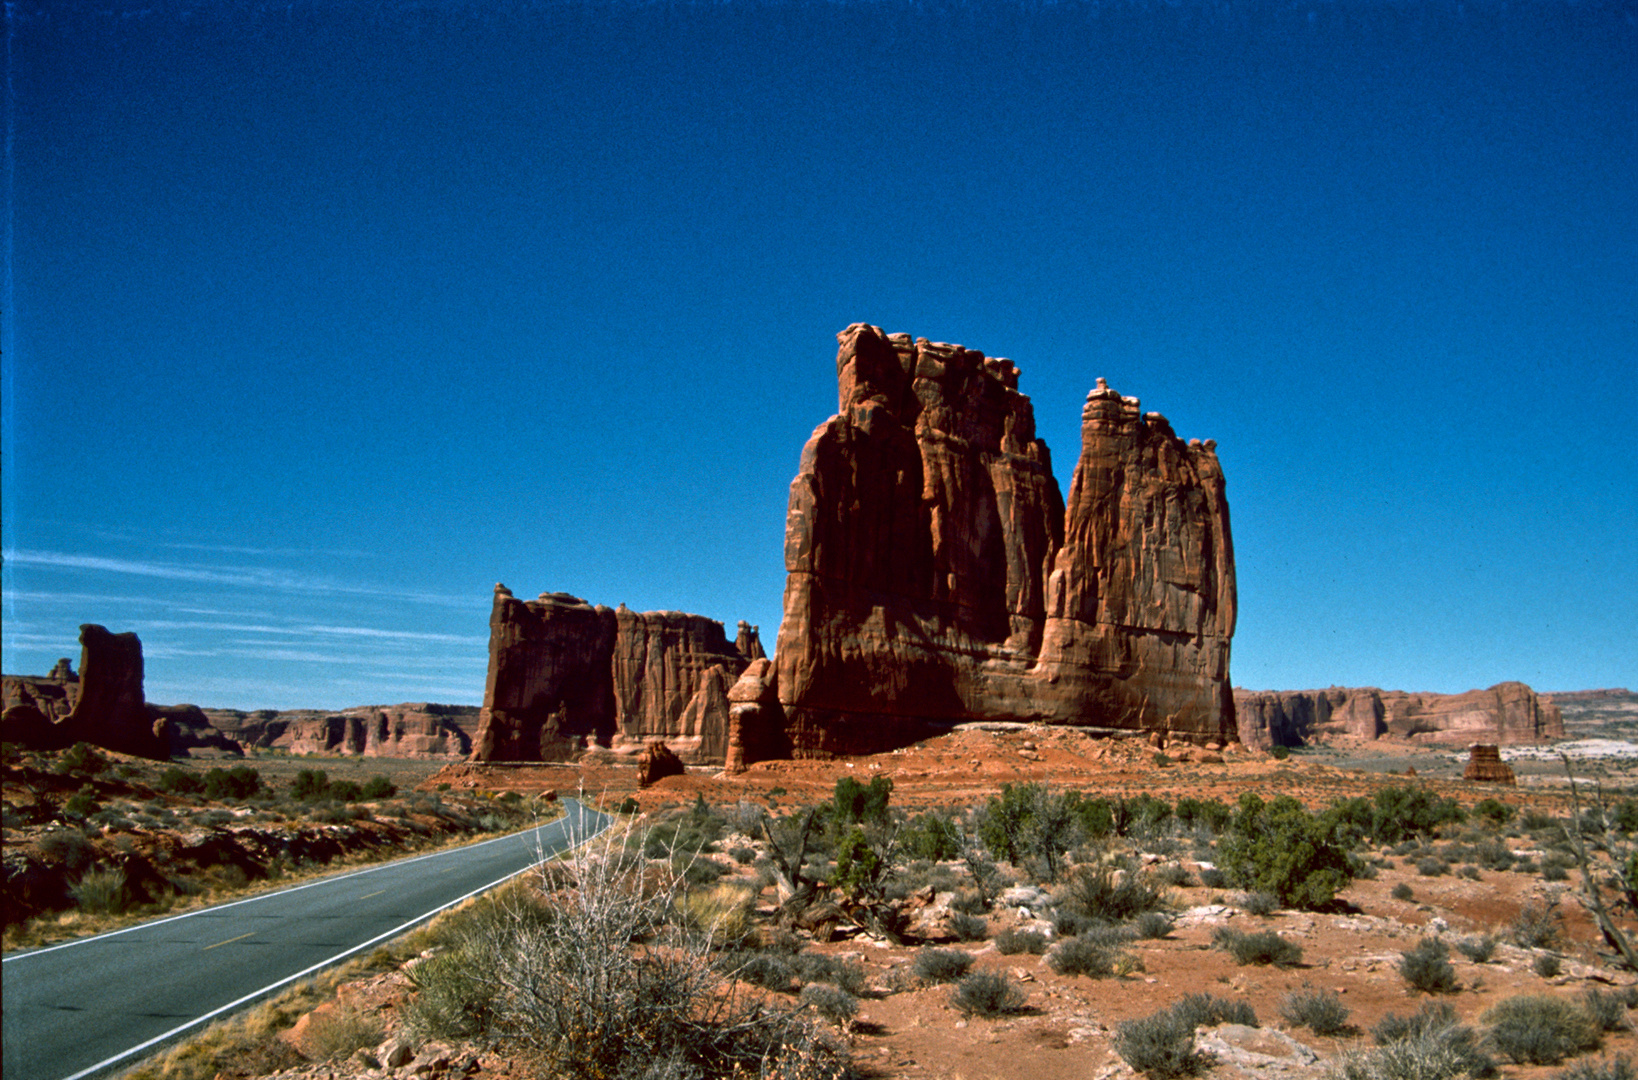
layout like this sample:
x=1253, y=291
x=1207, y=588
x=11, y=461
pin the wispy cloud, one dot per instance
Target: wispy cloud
x=260, y=578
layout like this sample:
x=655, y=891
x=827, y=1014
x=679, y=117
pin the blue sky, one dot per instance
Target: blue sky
x=320, y=319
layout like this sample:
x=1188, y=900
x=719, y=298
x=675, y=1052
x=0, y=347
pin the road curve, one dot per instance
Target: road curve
x=94, y=1005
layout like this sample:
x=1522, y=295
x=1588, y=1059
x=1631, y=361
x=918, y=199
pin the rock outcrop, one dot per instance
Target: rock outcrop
x=562, y=671
x=655, y=762
x=1507, y=713
x=935, y=575
x=410, y=730
x=33, y=706
x=1485, y=766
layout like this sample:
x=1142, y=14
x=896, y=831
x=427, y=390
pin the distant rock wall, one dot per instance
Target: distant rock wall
x=935, y=575
x=411, y=730
x=102, y=706
x=564, y=674
x=1507, y=713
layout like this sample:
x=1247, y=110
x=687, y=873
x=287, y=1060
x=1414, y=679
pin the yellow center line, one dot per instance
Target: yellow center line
x=378, y=892
x=229, y=941
x=446, y=871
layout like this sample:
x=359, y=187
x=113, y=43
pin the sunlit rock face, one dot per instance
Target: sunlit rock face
x=1508, y=713
x=565, y=675
x=935, y=574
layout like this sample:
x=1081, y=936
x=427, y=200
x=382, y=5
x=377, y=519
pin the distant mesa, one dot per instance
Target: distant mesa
x=1508, y=713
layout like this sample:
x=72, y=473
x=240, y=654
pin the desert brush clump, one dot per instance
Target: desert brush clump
x=1320, y=1011
x=1107, y=894
x=968, y=927
x=831, y=1002
x=1280, y=848
x=1426, y=966
x=1161, y=1045
x=1479, y=948
x=987, y=994
x=1262, y=947
x=940, y=965
x=1095, y=956
x=1616, y=1068
x=1209, y=1010
x=1541, y=1029
x=1538, y=925
x=1012, y=941
x=1430, y=1043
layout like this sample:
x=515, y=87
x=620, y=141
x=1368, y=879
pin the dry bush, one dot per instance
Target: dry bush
x=941, y=965
x=1426, y=966
x=1320, y=1011
x=1012, y=941
x=1263, y=947
x=1540, y=1029
x=987, y=994
x=342, y=1032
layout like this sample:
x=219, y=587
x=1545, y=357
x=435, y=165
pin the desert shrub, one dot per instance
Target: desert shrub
x=1469, y=872
x=1103, y=893
x=345, y=791
x=379, y=787
x=717, y=918
x=698, y=871
x=853, y=802
x=767, y=970
x=1160, y=1046
x=1532, y=820
x=1279, y=847
x=628, y=805
x=1207, y=813
x=940, y=965
x=1208, y=1010
x=1540, y=1029
x=1262, y=947
x=1403, y=892
x=1320, y=1011
x=1153, y=924
x=1432, y=1042
x=1478, y=949
x=453, y=999
x=1260, y=903
x=1280, y=753
x=742, y=854
x=1538, y=925
x=812, y=967
x=1494, y=811
x=1493, y=855
x=1213, y=878
x=968, y=927
x=1607, y=1010
x=987, y=994
x=1433, y=866
x=831, y=1002
x=101, y=892
x=1070, y=924
x=1405, y=811
x=310, y=784
x=1426, y=966
x=82, y=804
x=1616, y=1068
x=932, y=837
x=1547, y=965
x=82, y=758
x=177, y=781
x=1085, y=956
x=1013, y=941
x=238, y=783
x=1174, y=875
x=859, y=867
x=968, y=901
x=342, y=1033
x=1029, y=821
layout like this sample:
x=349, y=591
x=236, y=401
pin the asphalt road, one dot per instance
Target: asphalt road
x=99, y=1004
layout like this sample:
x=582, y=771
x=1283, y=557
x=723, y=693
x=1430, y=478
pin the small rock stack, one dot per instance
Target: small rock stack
x=1485, y=766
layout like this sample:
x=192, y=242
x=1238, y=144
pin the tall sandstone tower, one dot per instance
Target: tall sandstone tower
x=936, y=576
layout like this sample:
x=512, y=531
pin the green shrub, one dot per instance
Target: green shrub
x=82, y=758
x=1280, y=753
x=1213, y=878
x=67, y=846
x=940, y=965
x=628, y=805
x=1208, y=813
x=1260, y=903
x=1085, y=956
x=930, y=837
x=1262, y=947
x=1432, y=867
x=831, y=1002
x=1174, y=875
x=1207, y=1010
x=345, y=791
x=177, y=781
x=379, y=787
x=1160, y=1046
x=1478, y=949
x=764, y=969
x=1403, y=892
x=987, y=994
x=1427, y=968
x=310, y=784
x=1547, y=965
x=82, y=804
x=1280, y=848
x=1608, y=1011
x=235, y=784
x=1398, y=813
x=853, y=802
x=1540, y=1029
x=1494, y=811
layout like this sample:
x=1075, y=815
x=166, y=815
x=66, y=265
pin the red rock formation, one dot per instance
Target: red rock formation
x=935, y=577
x=1507, y=713
x=655, y=762
x=1485, y=766
x=561, y=671
x=110, y=711
x=755, y=722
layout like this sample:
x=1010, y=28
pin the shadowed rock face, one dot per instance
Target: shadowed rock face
x=1507, y=713
x=936, y=576
x=563, y=673
x=111, y=711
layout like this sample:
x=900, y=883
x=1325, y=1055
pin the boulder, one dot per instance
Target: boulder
x=935, y=575
x=655, y=762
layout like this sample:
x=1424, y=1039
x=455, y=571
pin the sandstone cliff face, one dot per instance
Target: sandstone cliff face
x=110, y=711
x=563, y=674
x=934, y=575
x=1507, y=713
x=410, y=730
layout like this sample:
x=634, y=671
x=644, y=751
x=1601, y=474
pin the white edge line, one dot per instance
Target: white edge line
x=284, y=892
x=270, y=987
